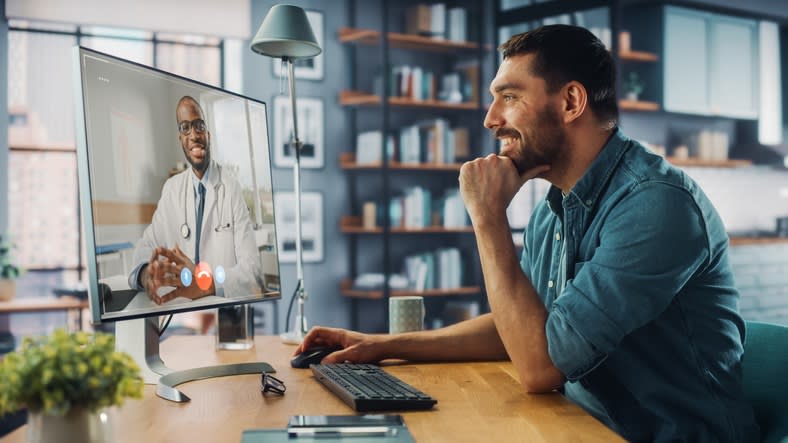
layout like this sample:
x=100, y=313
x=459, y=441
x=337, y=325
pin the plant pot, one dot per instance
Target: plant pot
x=7, y=289
x=78, y=425
x=632, y=96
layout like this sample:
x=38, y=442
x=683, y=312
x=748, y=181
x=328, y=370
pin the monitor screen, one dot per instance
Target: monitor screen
x=175, y=190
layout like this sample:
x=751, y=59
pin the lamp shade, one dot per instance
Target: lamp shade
x=286, y=32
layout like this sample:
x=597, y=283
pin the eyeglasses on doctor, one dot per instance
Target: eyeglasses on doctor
x=269, y=383
x=186, y=126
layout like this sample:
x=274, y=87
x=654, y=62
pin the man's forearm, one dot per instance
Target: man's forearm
x=518, y=312
x=474, y=339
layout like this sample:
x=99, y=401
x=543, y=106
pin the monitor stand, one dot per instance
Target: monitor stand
x=140, y=339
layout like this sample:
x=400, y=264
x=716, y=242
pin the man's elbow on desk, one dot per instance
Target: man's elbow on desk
x=541, y=381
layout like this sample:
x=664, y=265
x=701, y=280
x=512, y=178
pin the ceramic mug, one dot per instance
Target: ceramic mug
x=406, y=314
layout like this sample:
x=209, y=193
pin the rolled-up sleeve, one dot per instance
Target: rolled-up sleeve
x=651, y=243
x=570, y=352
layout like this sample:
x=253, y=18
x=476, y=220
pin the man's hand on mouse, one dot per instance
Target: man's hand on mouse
x=356, y=347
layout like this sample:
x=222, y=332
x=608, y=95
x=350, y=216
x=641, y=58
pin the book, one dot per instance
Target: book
x=438, y=20
x=369, y=147
x=457, y=25
x=418, y=20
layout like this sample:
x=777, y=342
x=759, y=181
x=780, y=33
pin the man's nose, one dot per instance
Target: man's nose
x=493, y=118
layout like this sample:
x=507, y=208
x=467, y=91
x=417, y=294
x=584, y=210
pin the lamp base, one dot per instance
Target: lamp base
x=292, y=337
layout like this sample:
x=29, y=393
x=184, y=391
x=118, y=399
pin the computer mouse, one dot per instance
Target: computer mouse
x=311, y=356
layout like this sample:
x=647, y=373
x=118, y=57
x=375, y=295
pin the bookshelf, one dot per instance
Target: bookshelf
x=403, y=41
x=346, y=288
x=351, y=224
x=358, y=98
x=347, y=161
x=421, y=134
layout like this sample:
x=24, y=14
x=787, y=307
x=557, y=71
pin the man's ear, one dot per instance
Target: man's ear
x=575, y=100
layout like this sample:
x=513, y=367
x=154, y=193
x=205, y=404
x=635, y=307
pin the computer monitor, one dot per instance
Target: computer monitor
x=177, y=204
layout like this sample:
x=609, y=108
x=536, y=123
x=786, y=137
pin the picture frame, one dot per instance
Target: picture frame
x=311, y=226
x=309, y=68
x=310, y=131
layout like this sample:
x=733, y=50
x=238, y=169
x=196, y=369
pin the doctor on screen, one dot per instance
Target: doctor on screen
x=201, y=236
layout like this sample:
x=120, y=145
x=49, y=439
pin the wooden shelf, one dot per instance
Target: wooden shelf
x=347, y=161
x=637, y=105
x=407, y=102
x=403, y=41
x=346, y=289
x=638, y=56
x=42, y=304
x=41, y=147
x=352, y=224
x=357, y=98
x=748, y=241
x=730, y=163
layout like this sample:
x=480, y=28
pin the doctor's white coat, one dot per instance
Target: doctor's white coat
x=226, y=238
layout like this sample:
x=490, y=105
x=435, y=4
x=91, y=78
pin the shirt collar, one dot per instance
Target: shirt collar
x=205, y=177
x=590, y=185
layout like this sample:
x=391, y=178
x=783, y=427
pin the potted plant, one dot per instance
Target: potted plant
x=67, y=382
x=8, y=270
x=633, y=86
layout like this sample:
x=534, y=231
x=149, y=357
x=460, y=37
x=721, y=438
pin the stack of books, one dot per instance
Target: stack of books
x=437, y=21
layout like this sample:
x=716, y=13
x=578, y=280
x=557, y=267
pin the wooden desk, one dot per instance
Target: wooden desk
x=477, y=402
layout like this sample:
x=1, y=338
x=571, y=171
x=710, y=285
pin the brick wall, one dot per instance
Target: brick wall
x=746, y=198
x=761, y=273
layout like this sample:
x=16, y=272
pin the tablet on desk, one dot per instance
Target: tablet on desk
x=377, y=425
x=335, y=428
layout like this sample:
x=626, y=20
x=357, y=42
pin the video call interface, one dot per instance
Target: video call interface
x=180, y=194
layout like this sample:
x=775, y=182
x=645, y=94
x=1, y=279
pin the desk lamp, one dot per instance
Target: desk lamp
x=286, y=34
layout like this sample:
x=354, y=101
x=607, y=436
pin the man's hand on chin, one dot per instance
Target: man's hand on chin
x=488, y=184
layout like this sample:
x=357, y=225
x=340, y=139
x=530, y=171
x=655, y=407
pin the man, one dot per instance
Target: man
x=223, y=235
x=623, y=296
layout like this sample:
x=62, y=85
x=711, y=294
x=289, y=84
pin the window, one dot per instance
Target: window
x=43, y=192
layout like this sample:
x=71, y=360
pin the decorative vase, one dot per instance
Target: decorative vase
x=7, y=289
x=632, y=96
x=79, y=425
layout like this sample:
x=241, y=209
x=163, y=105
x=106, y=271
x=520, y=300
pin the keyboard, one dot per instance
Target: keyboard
x=367, y=387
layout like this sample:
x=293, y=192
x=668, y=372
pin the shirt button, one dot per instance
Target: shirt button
x=550, y=284
x=558, y=236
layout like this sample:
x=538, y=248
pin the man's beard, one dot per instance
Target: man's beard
x=199, y=165
x=542, y=147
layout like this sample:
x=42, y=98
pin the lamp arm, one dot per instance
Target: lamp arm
x=301, y=326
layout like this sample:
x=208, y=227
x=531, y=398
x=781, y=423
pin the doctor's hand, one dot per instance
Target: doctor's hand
x=154, y=275
x=175, y=261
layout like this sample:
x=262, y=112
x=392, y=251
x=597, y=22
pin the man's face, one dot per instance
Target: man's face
x=194, y=136
x=524, y=117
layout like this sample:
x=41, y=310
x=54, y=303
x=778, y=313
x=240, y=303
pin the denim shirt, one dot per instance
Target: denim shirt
x=646, y=329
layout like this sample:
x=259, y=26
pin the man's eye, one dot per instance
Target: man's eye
x=508, y=98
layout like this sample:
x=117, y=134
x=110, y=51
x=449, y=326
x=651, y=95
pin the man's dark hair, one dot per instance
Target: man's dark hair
x=565, y=53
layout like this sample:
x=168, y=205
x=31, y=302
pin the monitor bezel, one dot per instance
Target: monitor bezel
x=97, y=315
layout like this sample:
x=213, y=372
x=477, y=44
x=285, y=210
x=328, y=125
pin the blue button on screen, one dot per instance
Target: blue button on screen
x=186, y=277
x=219, y=274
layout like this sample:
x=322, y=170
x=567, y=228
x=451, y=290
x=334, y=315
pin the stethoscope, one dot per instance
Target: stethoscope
x=186, y=232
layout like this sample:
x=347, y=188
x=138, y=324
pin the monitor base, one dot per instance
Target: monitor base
x=140, y=339
x=166, y=386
